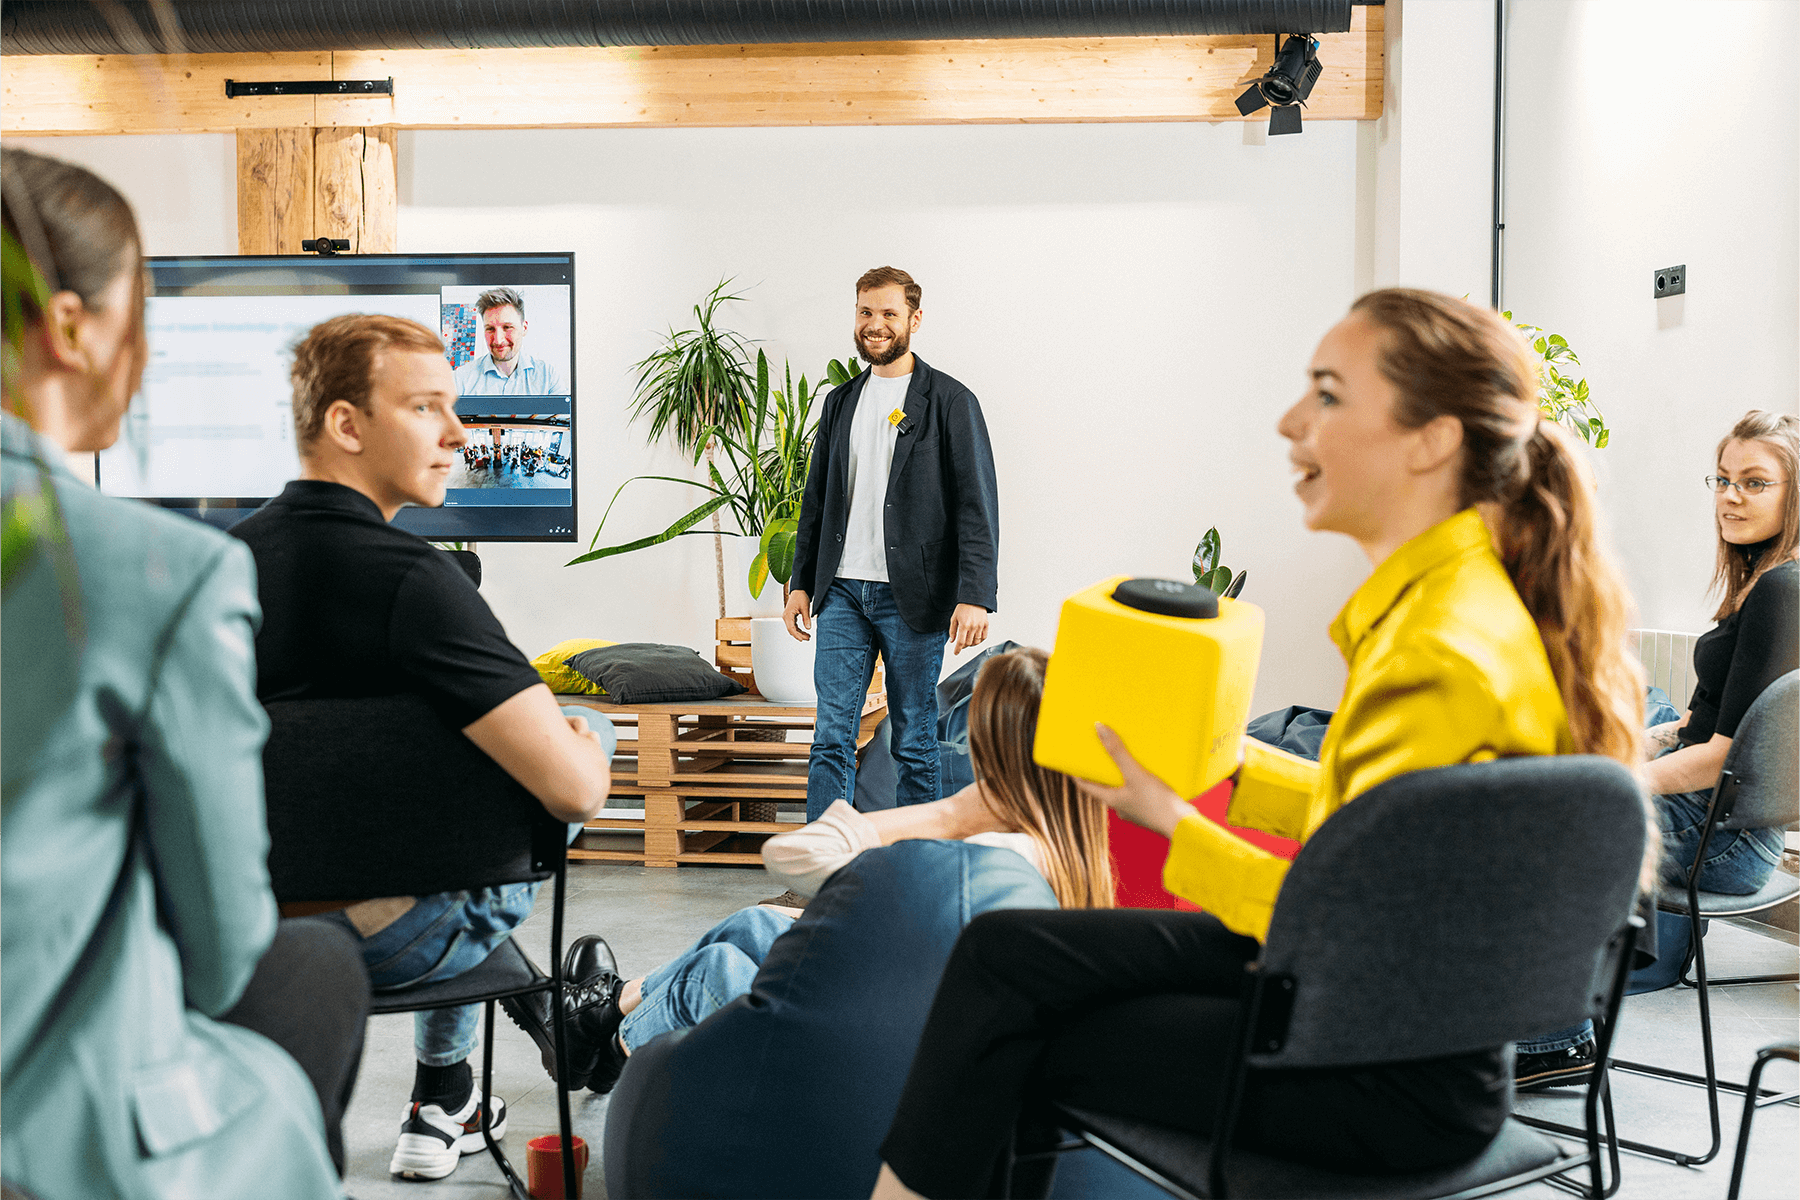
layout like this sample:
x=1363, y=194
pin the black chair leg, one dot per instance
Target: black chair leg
x=1751, y=1090
x=560, y=1035
x=513, y=1182
x=1710, y=1080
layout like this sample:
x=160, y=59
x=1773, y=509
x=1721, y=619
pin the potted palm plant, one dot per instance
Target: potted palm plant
x=684, y=389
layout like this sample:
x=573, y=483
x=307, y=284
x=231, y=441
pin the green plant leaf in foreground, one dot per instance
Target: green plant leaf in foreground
x=676, y=530
x=1206, y=554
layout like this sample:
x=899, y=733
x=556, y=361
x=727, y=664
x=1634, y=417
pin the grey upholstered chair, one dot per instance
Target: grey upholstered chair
x=1428, y=917
x=1758, y=788
x=379, y=797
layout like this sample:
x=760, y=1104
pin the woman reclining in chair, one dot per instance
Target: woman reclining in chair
x=1016, y=805
x=1419, y=408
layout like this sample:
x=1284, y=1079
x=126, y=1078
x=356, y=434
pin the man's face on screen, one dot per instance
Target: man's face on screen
x=411, y=436
x=504, y=330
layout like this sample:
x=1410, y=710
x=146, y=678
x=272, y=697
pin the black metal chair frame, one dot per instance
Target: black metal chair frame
x=1262, y=1027
x=486, y=984
x=1263, y=1019
x=1752, y=1102
x=329, y=843
x=1688, y=903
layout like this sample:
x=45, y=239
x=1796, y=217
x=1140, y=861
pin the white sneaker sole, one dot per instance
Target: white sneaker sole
x=420, y=1157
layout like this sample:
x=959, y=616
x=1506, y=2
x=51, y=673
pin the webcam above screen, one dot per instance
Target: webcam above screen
x=211, y=434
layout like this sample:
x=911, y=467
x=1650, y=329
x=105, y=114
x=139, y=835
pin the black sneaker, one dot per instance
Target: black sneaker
x=433, y=1141
x=1558, y=1068
x=597, y=982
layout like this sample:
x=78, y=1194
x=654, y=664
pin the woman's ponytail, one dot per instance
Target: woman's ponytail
x=1550, y=542
x=1446, y=357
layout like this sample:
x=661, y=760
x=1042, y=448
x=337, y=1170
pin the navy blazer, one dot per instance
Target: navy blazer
x=942, y=511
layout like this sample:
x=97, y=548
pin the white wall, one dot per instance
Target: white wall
x=1643, y=134
x=1428, y=161
x=1134, y=304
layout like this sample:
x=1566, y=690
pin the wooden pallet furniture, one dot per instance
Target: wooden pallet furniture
x=710, y=772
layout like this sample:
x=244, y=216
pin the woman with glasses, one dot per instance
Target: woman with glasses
x=1754, y=643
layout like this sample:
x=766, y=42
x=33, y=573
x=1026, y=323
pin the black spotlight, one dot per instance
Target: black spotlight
x=1286, y=85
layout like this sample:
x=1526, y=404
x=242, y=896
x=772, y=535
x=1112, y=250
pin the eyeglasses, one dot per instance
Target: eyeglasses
x=1745, y=487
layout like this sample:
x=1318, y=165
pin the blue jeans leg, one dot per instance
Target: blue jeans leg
x=843, y=664
x=857, y=620
x=439, y=938
x=1738, y=861
x=706, y=976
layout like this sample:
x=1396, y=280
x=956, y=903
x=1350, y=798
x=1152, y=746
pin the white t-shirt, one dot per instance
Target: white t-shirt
x=872, y=439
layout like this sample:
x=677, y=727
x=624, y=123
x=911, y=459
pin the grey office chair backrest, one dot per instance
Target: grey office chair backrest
x=1452, y=910
x=1760, y=783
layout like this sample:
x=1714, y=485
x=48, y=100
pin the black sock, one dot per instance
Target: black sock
x=447, y=1087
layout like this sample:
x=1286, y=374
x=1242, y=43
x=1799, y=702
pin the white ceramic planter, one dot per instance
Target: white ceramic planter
x=783, y=666
x=772, y=600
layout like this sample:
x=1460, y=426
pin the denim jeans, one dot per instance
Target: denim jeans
x=443, y=935
x=856, y=620
x=706, y=976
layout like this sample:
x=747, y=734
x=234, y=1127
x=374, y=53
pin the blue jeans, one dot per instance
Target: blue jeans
x=856, y=620
x=443, y=935
x=705, y=977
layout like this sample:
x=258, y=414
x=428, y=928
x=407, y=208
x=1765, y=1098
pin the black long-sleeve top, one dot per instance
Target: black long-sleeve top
x=1743, y=654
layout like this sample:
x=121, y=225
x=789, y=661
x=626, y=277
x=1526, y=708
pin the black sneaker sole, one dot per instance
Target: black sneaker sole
x=1572, y=1076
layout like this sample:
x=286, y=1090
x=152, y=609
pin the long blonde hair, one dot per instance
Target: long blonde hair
x=1068, y=827
x=1447, y=357
x=1736, y=572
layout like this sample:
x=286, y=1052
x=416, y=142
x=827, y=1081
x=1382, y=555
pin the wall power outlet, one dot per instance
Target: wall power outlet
x=1671, y=281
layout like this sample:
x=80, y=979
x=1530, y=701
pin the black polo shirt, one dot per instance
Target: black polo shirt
x=354, y=607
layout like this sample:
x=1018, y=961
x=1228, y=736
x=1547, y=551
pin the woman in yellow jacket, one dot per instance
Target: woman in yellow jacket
x=1420, y=413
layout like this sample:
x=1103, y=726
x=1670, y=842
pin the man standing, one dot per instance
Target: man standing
x=355, y=607
x=506, y=370
x=899, y=532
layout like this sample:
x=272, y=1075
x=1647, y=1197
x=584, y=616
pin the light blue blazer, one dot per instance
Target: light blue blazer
x=134, y=891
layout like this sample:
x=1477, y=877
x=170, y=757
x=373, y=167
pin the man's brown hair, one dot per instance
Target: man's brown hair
x=880, y=277
x=336, y=361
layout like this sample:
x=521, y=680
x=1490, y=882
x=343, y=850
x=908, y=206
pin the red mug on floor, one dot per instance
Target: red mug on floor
x=543, y=1167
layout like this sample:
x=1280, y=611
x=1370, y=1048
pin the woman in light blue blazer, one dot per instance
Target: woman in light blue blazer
x=134, y=896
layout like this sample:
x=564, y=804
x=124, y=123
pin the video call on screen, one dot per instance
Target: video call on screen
x=212, y=433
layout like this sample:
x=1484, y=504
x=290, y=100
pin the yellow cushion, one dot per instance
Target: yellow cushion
x=564, y=679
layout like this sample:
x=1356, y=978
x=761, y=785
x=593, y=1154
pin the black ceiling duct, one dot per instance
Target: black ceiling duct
x=244, y=26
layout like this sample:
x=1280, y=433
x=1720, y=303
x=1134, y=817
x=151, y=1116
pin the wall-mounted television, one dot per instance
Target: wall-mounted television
x=212, y=433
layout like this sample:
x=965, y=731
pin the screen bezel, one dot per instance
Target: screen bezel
x=191, y=504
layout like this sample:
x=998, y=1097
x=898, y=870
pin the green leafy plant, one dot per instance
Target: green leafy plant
x=1561, y=397
x=1209, y=572
x=766, y=440
x=684, y=389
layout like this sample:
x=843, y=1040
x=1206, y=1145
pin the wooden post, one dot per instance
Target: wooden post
x=355, y=188
x=275, y=190
x=295, y=184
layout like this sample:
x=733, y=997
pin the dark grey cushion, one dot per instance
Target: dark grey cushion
x=646, y=673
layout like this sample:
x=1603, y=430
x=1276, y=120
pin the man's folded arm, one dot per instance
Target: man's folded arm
x=533, y=742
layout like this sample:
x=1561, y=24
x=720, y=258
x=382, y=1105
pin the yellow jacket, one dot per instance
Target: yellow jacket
x=1446, y=667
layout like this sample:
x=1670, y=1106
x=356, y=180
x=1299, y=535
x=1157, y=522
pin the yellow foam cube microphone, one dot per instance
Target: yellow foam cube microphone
x=1169, y=666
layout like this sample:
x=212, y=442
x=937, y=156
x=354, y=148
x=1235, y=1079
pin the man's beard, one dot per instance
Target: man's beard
x=900, y=345
x=507, y=355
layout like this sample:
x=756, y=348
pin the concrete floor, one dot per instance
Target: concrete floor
x=650, y=915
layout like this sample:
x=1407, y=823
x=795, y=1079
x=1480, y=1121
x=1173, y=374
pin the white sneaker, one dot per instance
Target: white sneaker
x=433, y=1141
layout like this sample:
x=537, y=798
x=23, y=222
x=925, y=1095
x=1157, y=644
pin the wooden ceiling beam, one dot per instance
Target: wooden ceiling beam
x=876, y=83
